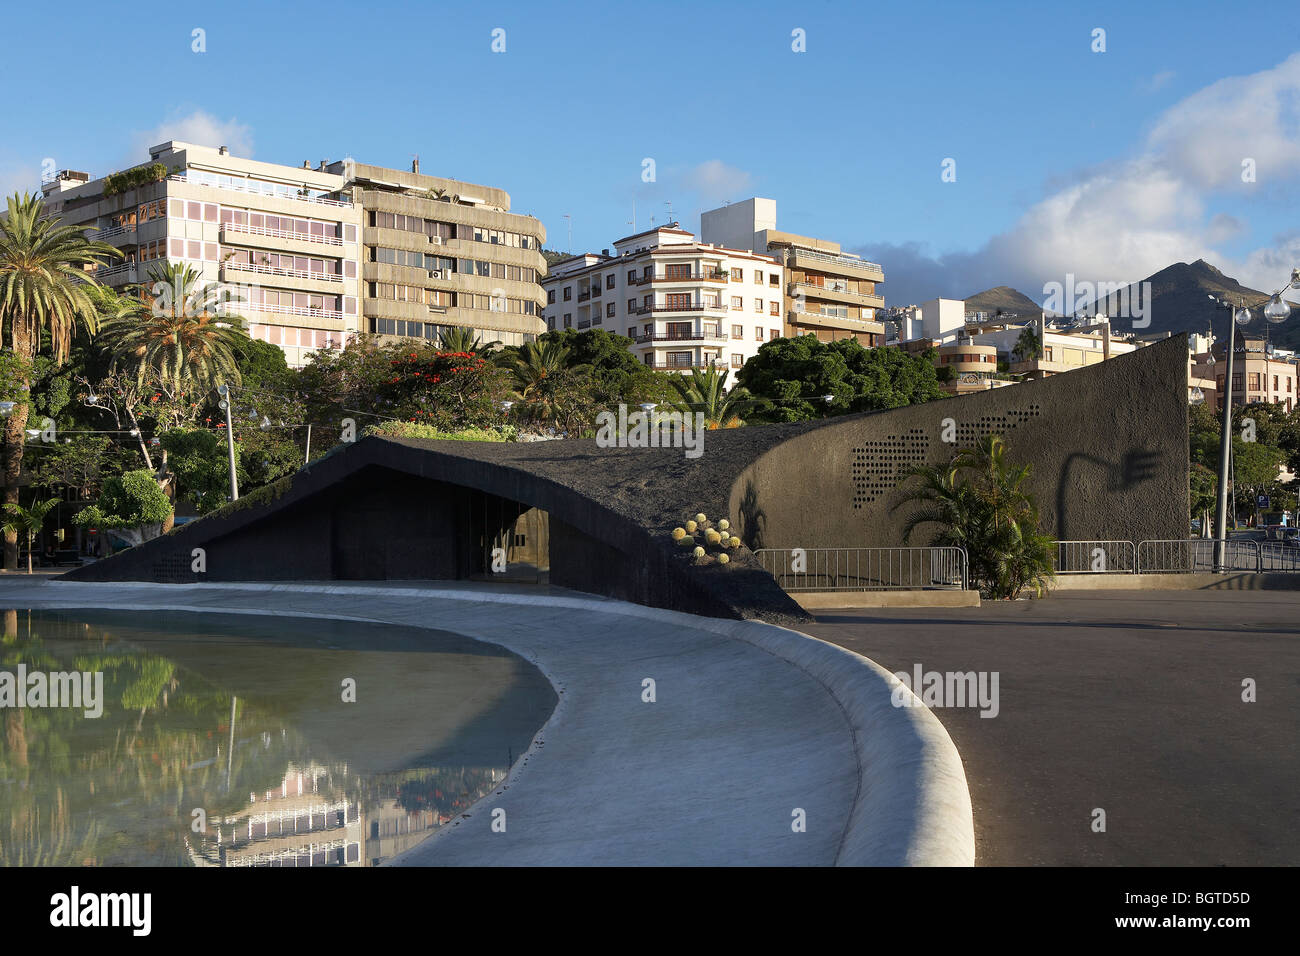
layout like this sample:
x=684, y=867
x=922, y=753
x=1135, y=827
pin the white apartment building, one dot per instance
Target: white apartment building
x=285, y=238
x=685, y=304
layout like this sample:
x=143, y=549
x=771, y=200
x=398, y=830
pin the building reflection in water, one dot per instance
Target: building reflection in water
x=122, y=790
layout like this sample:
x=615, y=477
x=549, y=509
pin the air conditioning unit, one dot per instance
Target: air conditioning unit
x=435, y=273
x=436, y=240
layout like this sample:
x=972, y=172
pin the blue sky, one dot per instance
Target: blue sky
x=1109, y=165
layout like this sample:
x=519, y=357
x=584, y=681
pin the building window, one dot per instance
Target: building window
x=737, y=275
x=737, y=331
x=647, y=272
x=631, y=331
x=773, y=335
x=631, y=277
x=631, y=306
x=677, y=270
x=758, y=305
x=550, y=297
x=774, y=280
x=758, y=335
x=1254, y=381
x=609, y=310
x=737, y=303
x=568, y=295
x=568, y=319
x=758, y=276
x=774, y=308
x=737, y=360
x=609, y=281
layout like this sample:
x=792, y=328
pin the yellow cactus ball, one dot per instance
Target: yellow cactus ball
x=679, y=533
x=686, y=541
x=699, y=552
x=735, y=542
x=712, y=537
x=724, y=524
x=701, y=518
x=691, y=526
x=723, y=559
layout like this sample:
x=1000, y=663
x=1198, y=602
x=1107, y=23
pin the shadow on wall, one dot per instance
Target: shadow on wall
x=1133, y=469
x=752, y=518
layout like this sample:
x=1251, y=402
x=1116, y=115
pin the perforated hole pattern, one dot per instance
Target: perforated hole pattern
x=878, y=465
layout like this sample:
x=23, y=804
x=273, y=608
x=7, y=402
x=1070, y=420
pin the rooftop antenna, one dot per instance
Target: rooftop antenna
x=633, y=222
x=569, y=219
x=669, y=204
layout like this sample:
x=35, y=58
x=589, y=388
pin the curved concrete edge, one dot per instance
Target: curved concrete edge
x=913, y=806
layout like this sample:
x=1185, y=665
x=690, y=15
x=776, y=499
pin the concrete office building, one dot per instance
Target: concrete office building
x=829, y=293
x=441, y=253
x=286, y=239
x=684, y=303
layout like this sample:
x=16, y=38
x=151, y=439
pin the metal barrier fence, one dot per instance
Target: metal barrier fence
x=1096, y=557
x=865, y=569
x=1193, y=555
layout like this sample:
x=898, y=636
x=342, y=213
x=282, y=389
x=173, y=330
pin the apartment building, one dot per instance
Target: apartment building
x=285, y=240
x=828, y=293
x=442, y=253
x=684, y=303
x=1259, y=373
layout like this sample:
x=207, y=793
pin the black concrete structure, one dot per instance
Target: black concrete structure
x=1108, y=445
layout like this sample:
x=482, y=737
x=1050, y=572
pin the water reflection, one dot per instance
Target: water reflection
x=223, y=741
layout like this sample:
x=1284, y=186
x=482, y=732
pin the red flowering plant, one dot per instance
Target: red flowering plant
x=445, y=389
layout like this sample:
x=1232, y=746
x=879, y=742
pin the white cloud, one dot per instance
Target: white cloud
x=199, y=128
x=1125, y=220
x=1158, y=81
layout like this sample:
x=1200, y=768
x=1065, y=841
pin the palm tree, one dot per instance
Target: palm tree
x=43, y=297
x=978, y=501
x=27, y=521
x=705, y=391
x=178, y=332
x=459, y=338
x=537, y=367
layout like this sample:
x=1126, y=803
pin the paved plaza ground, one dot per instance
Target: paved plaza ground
x=1126, y=701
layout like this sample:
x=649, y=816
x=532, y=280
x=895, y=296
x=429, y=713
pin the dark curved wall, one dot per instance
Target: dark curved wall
x=1108, y=446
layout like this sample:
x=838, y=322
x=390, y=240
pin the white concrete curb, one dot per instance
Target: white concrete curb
x=912, y=807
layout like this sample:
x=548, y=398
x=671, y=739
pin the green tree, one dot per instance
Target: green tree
x=979, y=501
x=1029, y=345
x=28, y=521
x=43, y=298
x=704, y=391
x=458, y=338
x=178, y=331
x=130, y=505
x=789, y=378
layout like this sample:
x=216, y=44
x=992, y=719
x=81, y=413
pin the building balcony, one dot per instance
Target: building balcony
x=122, y=272
x=706, y=276
x=283, y=278
x=809, y=290
x=716, y=338
x=689, y=307
x=836, y=264
x=844, y=322
x=287, y=192
x=236, y=227
x=266, y=239
x=685, y=365
x=116, y=235
x=584, y=296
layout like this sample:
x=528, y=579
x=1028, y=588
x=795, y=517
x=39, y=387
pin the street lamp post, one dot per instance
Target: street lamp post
x=1275, y=311
x=226, y=398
